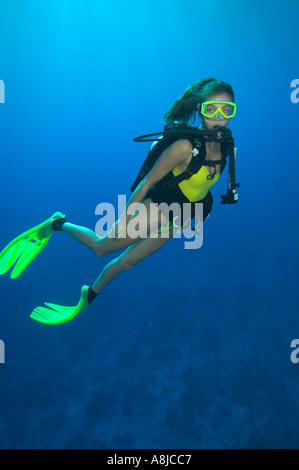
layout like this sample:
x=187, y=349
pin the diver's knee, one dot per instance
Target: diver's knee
x=98, y=248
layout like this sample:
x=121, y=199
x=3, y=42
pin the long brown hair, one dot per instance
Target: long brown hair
x=185, y=107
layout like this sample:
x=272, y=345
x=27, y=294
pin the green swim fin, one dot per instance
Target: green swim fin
x=57, y=314
x=23, y=249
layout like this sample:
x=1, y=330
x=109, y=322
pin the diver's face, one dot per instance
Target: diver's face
x=209, y=123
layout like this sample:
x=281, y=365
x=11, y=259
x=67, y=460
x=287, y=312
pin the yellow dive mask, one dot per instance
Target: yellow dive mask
x=219, y=110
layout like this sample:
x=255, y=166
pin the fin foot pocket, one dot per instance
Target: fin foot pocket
x=56, y=314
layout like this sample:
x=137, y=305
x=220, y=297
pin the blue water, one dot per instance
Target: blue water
x=191, y=348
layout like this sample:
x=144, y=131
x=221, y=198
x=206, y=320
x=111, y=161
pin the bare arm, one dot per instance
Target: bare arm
x=175, y=154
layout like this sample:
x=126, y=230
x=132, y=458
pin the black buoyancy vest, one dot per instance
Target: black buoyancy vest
x=198, y=143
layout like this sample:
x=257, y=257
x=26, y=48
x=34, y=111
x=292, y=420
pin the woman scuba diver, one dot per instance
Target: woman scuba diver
x=177, y=174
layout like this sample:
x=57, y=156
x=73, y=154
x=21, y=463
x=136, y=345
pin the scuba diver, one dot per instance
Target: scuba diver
x=182, y=165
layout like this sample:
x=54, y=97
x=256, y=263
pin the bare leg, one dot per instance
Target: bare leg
x=135, y=253
x=104, y=245
x=83, y=235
